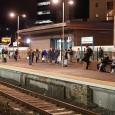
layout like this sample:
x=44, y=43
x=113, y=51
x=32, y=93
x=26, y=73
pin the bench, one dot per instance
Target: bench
x=93, y=66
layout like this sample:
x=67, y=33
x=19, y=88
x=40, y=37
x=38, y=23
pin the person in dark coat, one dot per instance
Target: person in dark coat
x=51, y=54
x=33, y=53
x=101, y=53
x=29, y=53
x=3, y=50
x=16, y=55
x=57, y=53
x=86, y=58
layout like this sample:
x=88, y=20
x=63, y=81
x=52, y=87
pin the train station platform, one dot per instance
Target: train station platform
x=74, y=72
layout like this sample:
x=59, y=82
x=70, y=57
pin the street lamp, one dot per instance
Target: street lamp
x=63, y=20
x=12, y=14
x=28, y=41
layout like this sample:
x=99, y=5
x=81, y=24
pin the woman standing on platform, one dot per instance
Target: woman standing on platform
x=30, y=56
x=37, y=55
x=78, y=55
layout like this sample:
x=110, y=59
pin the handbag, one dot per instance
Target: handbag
x=27, y=58
x=43, y=58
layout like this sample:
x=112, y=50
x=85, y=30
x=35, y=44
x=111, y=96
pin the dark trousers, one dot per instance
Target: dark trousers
x=77, y=60
x=15, y=57
x=30, y=60
x=37, y=59
x=5, y=60
x=86, y=59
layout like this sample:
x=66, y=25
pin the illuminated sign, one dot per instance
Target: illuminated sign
x=87, y=40
x=6, y=40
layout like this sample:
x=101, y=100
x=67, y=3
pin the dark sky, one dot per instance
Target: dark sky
x=19, y=6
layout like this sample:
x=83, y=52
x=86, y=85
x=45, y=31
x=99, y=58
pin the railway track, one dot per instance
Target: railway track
x=40, y=103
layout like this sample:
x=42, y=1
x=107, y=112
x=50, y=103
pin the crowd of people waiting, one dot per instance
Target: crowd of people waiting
x=53, y=55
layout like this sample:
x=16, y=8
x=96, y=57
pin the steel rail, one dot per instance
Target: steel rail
x=54, y=101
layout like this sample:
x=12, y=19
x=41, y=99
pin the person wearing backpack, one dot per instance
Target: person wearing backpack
x=86, y=58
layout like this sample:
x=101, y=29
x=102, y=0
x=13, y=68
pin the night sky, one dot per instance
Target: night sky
x=19, y=6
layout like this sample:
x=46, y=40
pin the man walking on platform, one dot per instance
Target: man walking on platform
x=86, y=58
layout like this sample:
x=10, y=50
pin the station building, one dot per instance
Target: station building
x=49, y=33
x=47, y=36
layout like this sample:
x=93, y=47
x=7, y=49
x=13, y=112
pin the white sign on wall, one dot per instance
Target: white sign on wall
x=87, y=40
x=14, y=43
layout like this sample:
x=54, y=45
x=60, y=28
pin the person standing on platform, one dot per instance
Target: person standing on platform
x=37, y=55
x=57, y=53
x=3, y=50
x=51, y=54
x=65, y=58
x=5, y=55
x=29, y=53
x=16, y=55
x=86, y=58
x=45, y=56
x=71, y=54
x=33, y=53
x=78, y=55
x=101, y=53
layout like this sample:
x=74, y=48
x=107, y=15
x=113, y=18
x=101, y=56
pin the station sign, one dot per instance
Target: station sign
x=87, y=40
x=6, y=40
x=14, y=43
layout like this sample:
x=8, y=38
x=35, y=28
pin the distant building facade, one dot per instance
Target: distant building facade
x=101, y=10
x=48, y=12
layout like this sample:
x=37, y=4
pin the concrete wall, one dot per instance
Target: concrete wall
x=104, y=98
x=51, y=86
x=40, y=43
x=61, y=89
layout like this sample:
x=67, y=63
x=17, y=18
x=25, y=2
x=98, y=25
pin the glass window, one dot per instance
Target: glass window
x=97, y=15
x=43, y=3
x=43, y=12
x=110, y=5
x=96, y=4
x=43, y=21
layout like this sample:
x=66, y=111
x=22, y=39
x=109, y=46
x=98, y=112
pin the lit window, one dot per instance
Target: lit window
x=43, y=12
x=97, y=15
x=43, y=3
x=43, y=21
